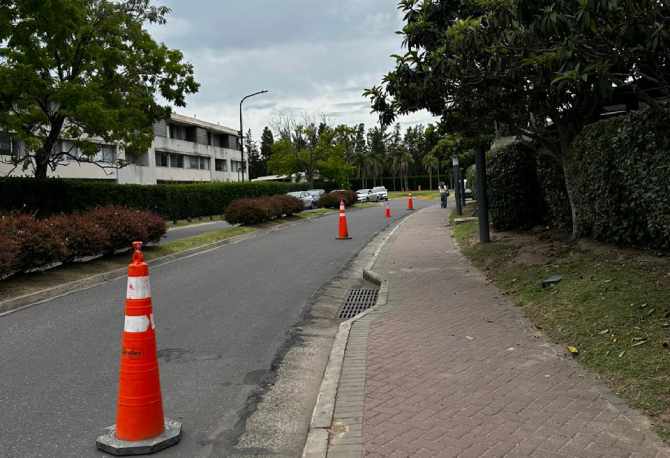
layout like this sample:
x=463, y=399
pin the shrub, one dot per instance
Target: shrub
x=124, y=226
x=262, y=209
x=247, y=211
x=620, y=169
x=82, y=235
x=288, y=205
x=555, y=196
x=8, y=254
x=40, y=242
x=471, y=176
x=513, y=190
x=173, y=201
x=333, y=198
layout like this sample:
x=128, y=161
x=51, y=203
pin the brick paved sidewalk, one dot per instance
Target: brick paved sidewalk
x=451, y=368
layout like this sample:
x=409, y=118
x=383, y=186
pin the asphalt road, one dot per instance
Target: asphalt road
x=221, y=318
x=191, y=231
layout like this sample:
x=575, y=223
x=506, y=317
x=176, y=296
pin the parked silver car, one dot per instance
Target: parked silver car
x=381, y=192
x=307, y=199
x=366, y=195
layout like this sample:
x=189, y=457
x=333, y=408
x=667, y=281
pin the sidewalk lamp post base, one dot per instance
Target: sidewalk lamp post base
x=109, y=443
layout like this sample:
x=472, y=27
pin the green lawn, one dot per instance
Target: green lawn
x=612, y=304
x=425, y=195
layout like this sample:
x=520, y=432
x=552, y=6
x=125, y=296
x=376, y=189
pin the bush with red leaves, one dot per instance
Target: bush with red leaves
x=83, y=236
x=28, y=243
x=262, y=209
x=40, y=242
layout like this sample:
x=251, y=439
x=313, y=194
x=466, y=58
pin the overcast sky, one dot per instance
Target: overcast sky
x=315, y=56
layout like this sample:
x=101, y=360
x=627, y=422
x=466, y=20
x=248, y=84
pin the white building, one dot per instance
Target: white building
x=184, y=150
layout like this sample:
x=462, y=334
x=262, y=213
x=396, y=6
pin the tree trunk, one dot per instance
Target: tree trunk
x=576, y=230
x=430, y=179
x=41, y=165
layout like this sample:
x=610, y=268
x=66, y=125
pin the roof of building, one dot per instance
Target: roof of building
x=204, y=124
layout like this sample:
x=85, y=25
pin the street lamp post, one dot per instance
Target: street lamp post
x=242, y=129
x=457, y=185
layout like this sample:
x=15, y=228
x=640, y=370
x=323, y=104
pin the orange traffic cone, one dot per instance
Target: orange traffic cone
x=410, y=202
x=387, y=213
x=140, y=426
x=344, y=231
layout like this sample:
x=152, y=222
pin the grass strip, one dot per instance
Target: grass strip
x=612, y=304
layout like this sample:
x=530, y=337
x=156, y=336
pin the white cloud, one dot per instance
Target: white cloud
x=315, y=57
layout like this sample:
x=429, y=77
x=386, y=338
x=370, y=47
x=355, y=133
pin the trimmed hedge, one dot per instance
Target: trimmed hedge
x=513, y=189
x=261, y=209
x=172, y=201
x=30, y=243
x=332, y=199
x=621, y=173
x=555, y=196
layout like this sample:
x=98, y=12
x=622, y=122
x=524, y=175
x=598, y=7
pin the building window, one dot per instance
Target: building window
x=237, y=166
x=193, y=162
x=177, y=161
x=221, y=165
x=9, y=146
x=162, y=159
x=106, y=153
x=179, y=132
x=205, y=163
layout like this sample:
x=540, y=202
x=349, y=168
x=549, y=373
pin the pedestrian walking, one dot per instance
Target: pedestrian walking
x=444, y=194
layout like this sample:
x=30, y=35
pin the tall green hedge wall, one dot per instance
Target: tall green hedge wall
x=621, y=173
x=513, y=189
x=172, y=201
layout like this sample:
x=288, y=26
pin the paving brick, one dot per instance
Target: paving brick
x=450, y=368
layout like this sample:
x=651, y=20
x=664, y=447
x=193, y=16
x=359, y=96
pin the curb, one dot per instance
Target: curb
x=316, y=445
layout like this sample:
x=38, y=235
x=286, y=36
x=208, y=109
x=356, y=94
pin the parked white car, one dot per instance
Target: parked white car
x=307, y=199
x=316, y=193
x=381, y=192
x=366, y=195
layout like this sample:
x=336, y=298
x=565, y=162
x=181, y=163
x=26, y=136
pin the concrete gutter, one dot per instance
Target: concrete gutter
x=316, y=445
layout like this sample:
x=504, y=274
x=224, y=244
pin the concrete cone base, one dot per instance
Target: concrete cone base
x=342, y=238
x=108, y=442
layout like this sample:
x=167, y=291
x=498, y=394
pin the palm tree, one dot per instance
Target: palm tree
x=431, y=163
x=405, y=158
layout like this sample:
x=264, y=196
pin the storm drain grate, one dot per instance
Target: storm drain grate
x=358, y=301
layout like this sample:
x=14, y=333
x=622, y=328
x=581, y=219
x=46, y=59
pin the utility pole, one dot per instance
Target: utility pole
x=457, y=185
x=244, y=166
x=482, y=199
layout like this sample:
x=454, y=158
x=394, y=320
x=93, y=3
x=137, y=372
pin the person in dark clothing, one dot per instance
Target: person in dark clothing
x=444, y=194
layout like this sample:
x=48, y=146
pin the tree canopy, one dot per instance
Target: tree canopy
x=541, y=69
x=81, y=70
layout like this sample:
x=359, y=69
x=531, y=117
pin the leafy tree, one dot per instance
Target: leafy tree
x=544, y=68
x=431, y=163
x=311, y=150
x=83, y=69
x=267, y=140
x=377, y=152
x=257, y=166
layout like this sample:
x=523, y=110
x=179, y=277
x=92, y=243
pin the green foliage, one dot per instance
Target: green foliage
x=514, y=194
x=554, y=194
x=172, y=201
x=621, y=170
x=81, y=69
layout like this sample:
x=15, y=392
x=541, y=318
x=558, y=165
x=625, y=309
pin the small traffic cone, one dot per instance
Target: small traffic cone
x=344, y=231
x=387, y=213
x=410, y=202
x=140, y=426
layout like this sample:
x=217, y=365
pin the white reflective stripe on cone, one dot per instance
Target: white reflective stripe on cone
x=137, y=323
x=153, y=321
x=138, y=288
